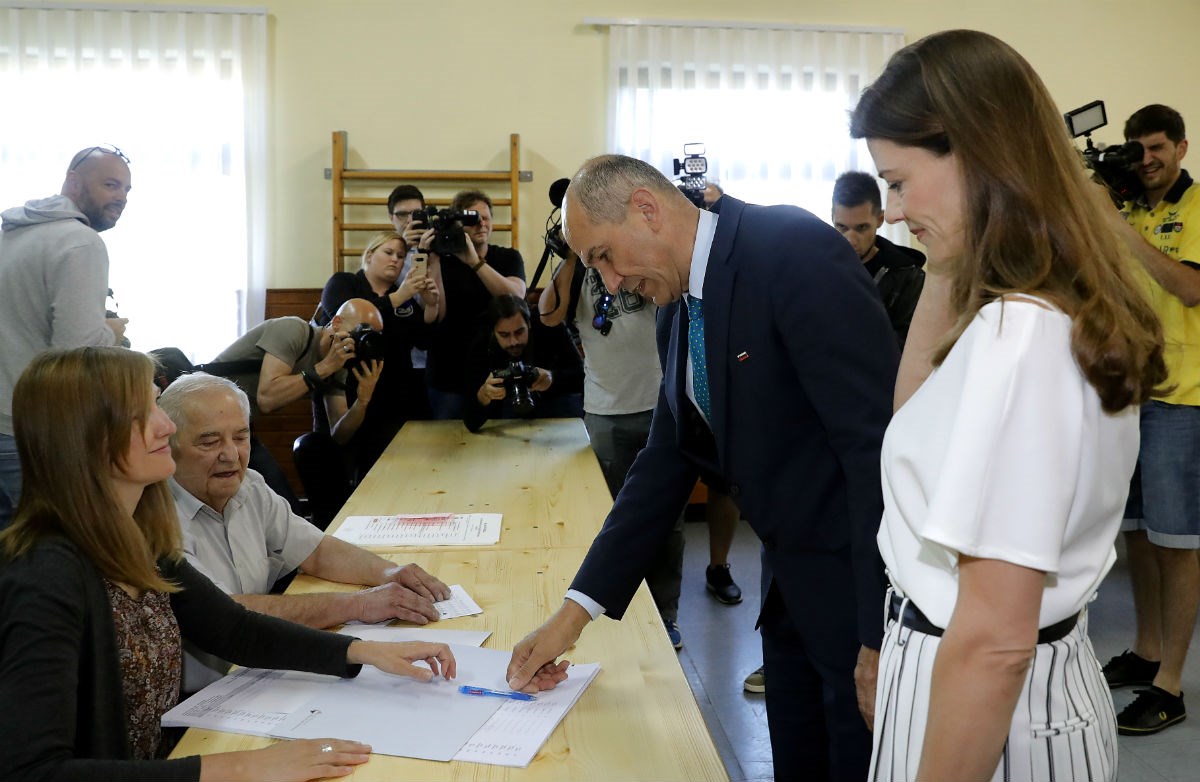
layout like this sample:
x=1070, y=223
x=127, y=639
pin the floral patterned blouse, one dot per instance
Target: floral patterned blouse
x=148, y=647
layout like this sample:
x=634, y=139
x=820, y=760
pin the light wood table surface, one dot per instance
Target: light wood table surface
x=638, y=720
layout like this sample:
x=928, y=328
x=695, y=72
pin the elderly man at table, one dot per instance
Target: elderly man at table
x=244, y=537
x=777, y=379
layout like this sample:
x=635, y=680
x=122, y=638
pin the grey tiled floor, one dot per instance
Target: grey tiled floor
x=721, y=647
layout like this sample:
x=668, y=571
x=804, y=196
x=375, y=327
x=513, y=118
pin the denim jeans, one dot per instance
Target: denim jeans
x=10, y=479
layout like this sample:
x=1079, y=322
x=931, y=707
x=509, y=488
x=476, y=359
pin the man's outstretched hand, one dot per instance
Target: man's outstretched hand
x=534, y=665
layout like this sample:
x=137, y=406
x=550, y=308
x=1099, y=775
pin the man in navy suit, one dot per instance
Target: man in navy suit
x=777, y=381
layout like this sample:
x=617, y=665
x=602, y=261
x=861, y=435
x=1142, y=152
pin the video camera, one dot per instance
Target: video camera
x=449, y=237
x=1113, y=166
x=555, y=242
x=694, y=166
x=517, y=377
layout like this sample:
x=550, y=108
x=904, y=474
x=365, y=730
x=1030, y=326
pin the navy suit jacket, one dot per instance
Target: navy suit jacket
x=802, y=364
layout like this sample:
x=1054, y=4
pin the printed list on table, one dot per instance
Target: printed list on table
x=429, y=529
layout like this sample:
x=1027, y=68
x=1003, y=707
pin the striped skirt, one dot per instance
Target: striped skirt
x=1063, y=727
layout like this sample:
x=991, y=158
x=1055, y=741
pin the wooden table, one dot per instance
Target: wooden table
x=638, y=720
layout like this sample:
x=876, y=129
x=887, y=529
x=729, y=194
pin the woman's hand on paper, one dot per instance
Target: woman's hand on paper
x=399, y=658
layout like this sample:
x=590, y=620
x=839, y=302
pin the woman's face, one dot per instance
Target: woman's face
x=385, y=263
x=925, y=191
x=148, y=459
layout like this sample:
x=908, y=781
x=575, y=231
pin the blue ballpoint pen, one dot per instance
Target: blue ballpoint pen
x=467, y=689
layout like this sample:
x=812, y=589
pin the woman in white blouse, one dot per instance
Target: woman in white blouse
x=1006, y=466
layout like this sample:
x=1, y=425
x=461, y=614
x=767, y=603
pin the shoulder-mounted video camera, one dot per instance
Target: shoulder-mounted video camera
x=1115, y=166
x=555, y=242
x=449, y=237
x=693, y=167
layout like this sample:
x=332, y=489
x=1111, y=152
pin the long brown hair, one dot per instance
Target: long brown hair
x=73, y=413
x=1032, y=224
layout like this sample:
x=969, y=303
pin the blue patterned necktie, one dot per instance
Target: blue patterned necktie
x=695, y=309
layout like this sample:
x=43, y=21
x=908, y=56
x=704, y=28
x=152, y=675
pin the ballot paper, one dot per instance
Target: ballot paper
x=430, y=529
x=515, y=733
x=458, y=604
x=396, y=715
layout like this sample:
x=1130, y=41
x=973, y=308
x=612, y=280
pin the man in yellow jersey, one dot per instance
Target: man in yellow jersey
x=1162, y=518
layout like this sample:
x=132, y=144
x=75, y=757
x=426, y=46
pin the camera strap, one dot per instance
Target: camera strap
x=244, y=366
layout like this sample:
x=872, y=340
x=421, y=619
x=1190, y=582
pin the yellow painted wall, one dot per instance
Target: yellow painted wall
x=441, y=83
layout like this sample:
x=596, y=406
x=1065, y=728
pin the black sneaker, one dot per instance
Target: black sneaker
x=1151, y=711
x=1127, y=669
x=719, y=582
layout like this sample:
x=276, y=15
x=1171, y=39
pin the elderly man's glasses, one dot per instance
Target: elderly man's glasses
x=601, y=322
x=104, y=149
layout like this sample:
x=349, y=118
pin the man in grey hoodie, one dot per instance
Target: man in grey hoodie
x=53, y=282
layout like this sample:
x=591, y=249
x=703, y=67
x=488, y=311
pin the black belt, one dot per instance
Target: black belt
x=913, y=619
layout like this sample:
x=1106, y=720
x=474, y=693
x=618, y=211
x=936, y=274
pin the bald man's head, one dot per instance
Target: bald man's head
x=98, y=182
x=355, y=312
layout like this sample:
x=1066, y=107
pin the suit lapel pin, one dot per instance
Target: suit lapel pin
x=743, y=356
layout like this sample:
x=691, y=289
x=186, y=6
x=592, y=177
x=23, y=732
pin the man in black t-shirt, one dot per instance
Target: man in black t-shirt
x=897, y=271
x=469, y=281
x=519, y=368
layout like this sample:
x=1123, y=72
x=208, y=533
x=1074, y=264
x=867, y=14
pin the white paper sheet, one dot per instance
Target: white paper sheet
x=430, y=529
x=458, y=604
x=390, y=633
x=398, y=715
x=261, y=702
x=515, y=733
x=395, y=715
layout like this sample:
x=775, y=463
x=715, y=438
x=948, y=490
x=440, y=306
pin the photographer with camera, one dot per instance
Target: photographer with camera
x=469, y=272
x=408, y=302
x=1162, y=529
x=298, y=358
x=403, y=203
x=519, y=375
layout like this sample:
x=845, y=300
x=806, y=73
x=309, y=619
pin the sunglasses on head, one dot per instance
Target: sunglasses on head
x=104, y=149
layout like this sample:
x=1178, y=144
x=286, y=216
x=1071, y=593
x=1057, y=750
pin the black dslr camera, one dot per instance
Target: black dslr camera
x=449, y=237
x=368, y=345
x=1113, y=166
x=517, y=377
x=693, y=166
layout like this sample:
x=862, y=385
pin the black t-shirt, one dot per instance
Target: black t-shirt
x=466, y=299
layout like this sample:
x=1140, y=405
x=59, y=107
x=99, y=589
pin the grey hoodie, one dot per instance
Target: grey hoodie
x=53, y=282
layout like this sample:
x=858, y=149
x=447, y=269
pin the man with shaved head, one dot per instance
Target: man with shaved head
x=777, y=378
x=53, y=282
x=298, y=358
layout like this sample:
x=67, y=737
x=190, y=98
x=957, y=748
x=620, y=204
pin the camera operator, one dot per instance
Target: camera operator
x=299, y=358
x=517, y=374
x=1162, y=529
x=468, y=280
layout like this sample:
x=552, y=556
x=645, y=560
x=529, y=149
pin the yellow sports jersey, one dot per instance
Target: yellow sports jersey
x=1173, y=228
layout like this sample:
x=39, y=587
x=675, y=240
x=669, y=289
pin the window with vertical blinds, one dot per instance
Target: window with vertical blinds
x=770, y=105
x=183, y=94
